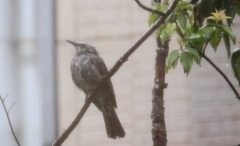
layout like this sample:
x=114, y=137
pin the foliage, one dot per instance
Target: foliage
x=194, y=36
x=235, y=61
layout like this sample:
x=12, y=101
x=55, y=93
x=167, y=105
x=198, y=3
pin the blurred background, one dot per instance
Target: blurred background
x=200, y=109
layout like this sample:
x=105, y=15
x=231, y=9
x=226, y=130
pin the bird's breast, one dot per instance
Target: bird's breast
x=76, y=71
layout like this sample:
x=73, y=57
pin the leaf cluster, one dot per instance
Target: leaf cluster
x=187, y=21
x=204, y=8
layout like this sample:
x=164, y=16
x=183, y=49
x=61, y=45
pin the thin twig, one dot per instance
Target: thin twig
x=214, y=65
x=9, y=121
x=5, y=97
x=220, y=71
x=204, y=49
x=11, y=107
x=179, y=30
x=111, y=72
x=223, y=75
x=149, y=9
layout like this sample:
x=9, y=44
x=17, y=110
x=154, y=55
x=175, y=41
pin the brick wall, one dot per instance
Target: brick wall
x=200, y=109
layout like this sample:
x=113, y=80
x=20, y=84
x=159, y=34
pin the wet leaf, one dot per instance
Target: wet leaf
x=196, y=55
x=186, y=60
x=235, y=61
x=193, y=36
x=165, y=31
x=207, y=32
x=227, y=43
x=227, y=30
x=215, y=39
x=172, y=60
x=181, y=18
x=153, y=16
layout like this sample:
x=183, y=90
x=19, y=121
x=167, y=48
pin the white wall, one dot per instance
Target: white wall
x=27, y=71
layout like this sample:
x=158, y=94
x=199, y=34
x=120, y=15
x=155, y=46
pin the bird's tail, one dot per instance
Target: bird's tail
x=114, y=128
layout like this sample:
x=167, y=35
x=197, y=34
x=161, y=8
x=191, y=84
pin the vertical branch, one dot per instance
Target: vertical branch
x=159, y=134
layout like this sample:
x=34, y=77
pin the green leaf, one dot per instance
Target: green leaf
x=183, y=5
x=165, y=31
x=174, y=64
x=170, y=29
x=172, y=57
x=172, y=60
x=207, y=32
x=186, y=60
x=193, y=36
x=227, y=43
x=227, y=30
x=199, y=45
x=181, y=18
x=215, y=39
x=167, y=68
x=180, y=31
x=154, y=17
x=194, y=27
x=188, y=31
x=163, y=36
x=196, y=55
x=172, y=17
x=235, y=61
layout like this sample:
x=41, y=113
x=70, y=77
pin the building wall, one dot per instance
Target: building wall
x=27, y=72
x=200, y=110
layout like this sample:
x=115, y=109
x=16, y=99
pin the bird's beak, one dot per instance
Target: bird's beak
x=72, y=42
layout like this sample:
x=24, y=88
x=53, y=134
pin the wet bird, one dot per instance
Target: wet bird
x=87, y=69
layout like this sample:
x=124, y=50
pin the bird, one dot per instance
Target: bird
x=87, y=69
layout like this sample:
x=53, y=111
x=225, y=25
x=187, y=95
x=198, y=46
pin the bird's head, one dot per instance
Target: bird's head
x=83, y=48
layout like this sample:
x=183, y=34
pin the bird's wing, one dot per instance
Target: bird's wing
x=98, y=62
x=90, y=74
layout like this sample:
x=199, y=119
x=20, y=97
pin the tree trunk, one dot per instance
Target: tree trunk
x=158, y=123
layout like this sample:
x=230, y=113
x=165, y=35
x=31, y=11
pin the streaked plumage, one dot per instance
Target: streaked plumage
x=87, y=69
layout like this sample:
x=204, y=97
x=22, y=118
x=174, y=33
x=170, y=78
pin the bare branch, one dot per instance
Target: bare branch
x=179, y=30
x=223, y=75
x=8, y=117
x=11, y=107
x=205, y=47
x=111, y=72
x=149, y=9
x=213, y=64
x=218, y=69
x=5, y=97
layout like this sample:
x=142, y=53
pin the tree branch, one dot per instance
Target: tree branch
x=149, y=9
x=111, y=72
x=9, y=121
x=205, y=47
x=159, y=134
x=218, y=69
x=179, y=30
x=214, y=65
x=223, y=75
